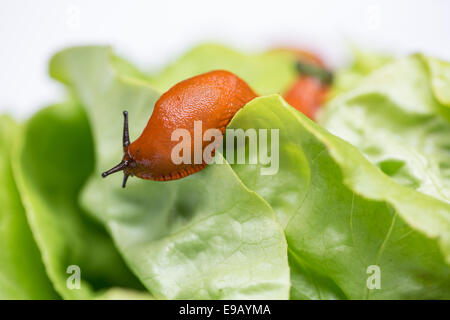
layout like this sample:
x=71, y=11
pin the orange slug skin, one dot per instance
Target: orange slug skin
x=213, y=98
x=307, y=95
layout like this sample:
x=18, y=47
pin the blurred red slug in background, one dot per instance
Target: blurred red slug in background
x=310, y=90
x=307, y=95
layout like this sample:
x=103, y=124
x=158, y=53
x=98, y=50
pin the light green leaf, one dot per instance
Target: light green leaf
x=266, y=73
x=53, y=161
x=341, y=214
x=22, y=274
x=123, y=294
x=364, y=62
x=206, y=236
x=440, y=78
x=394, y=118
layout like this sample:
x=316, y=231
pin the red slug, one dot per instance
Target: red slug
x=307, y=95
x=310, y=90
x=212, y=98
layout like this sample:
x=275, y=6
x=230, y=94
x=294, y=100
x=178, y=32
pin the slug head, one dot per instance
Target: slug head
x=127, y=164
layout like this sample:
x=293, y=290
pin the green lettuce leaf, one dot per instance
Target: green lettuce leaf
x=22, y=273
x=266, y=73
x=396, y=117
x=54, y=158
x=341, y=214
x=364, y=62
x=206, y=236
x=439, y=78
x=124, y=294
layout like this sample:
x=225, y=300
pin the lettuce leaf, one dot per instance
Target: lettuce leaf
x=439, y=78
x=341, y=214
x=203, y=237
x=397, y=118
x=22, y=273
x=364, y=62
x=54, y=158
x=123, y=294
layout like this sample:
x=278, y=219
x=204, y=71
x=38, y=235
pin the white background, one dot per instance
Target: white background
x=152, y=33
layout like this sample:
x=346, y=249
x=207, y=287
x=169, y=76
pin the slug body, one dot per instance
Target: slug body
x=212, y=98
x=307, y=95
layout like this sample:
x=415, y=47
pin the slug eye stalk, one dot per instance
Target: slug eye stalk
x=126, y=135
x=124, y=163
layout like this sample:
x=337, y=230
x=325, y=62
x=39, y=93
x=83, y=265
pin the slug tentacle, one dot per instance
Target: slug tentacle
x=126, y=135
x=126, y=161
x=121, y=166
x=125, y=178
